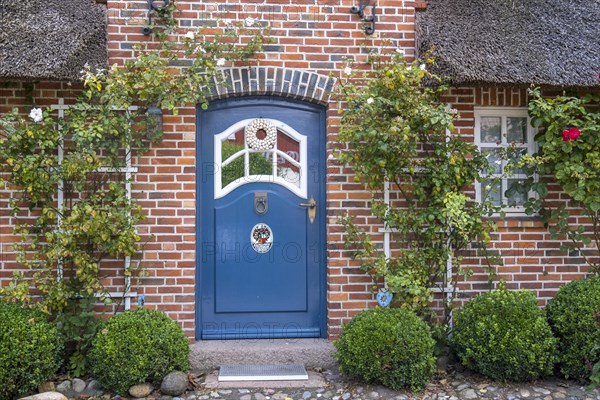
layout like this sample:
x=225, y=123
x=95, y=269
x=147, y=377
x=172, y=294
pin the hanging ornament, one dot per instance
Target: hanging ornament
x=251, y=134
x=384, y=298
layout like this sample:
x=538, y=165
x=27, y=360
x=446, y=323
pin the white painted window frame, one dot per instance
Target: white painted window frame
x=531, y=146
x=300, y=191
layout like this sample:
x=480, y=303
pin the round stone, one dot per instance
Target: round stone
x=64, y=387
x=78, y=385
x=174, y=384
x=141, y=390
x=46, y=396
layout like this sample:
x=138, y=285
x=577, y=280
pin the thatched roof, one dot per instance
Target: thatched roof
x=51, y=39
x=543, y=42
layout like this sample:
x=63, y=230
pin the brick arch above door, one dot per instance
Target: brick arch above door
x=275, y=81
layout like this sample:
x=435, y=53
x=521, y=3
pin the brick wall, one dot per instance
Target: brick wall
x=318, y=36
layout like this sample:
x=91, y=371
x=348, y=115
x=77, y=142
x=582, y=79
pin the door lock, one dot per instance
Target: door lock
x=312, y=208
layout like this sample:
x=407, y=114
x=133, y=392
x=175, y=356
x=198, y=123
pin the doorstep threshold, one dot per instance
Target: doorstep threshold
x=262, y=372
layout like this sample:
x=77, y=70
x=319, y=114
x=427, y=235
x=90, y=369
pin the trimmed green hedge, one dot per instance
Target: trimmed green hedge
x=29, y=350
x=504, y=335
x=136, y=347
x=571, y=316
x=387, y=346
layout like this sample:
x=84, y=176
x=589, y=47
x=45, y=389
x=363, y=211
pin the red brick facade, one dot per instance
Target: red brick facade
x=317, y=36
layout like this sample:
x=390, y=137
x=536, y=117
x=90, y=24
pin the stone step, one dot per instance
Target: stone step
x=208, y=355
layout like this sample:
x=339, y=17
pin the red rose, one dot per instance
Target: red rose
x=571, y=134
x=574, y=132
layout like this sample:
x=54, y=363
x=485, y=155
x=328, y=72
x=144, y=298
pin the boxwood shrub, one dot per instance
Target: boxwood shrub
x=392, y=347
x=136, y=347
x=29, y=350
x=504, y=335
x=571, y=316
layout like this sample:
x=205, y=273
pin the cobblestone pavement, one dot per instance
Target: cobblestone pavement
x=451, y=386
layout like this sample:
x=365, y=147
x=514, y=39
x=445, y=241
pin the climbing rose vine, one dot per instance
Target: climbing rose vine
x=63, y=244
x=394, y=128
x=569, y=143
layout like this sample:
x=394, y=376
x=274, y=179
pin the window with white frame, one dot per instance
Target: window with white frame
x=495, y=130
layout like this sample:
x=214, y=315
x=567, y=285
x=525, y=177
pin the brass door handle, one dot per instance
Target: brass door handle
x=312, y=208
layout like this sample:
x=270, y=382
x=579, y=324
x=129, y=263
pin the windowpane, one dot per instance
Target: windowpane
x=493, y=157
x=290, y=173
x=491, y=191
x=516, y=130
x=286, y=168
x=521, y=153
x=491, y=130
x=518, y=198
x=261, y=164
x=234, y=170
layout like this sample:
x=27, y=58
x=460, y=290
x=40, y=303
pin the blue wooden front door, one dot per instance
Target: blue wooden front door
x=260, y=258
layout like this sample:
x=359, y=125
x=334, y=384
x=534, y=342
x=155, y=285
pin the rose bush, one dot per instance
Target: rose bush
x=569, y=142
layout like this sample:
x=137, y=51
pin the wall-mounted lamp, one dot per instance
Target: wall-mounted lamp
x=153, y=5
x=155, y=120
x=368, y=19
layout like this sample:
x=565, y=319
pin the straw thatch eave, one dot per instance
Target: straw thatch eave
x=51, y=39
x=513, y=42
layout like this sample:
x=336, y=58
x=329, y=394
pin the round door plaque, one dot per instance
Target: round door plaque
x=261, y=238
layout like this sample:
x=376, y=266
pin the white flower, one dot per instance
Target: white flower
x=348, y=70
x=488, y=187
x=36, y=115
x=220, y=62
x=400, y=51
x=409, y=68
x=227, y=21
x=249, y=21
x=199, y=49
x=498, y=162
x=370, y=100
x=190, y=35
x=422, y=66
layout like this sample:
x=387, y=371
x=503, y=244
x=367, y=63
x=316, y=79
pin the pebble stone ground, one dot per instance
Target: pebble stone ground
x=448, y=386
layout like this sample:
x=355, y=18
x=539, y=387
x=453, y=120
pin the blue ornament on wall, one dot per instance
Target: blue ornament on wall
x=384, y=298
x=141, y=301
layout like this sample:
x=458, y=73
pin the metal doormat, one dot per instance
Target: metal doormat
x=268, y=372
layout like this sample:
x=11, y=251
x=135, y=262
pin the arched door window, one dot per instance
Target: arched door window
x=260, y=150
